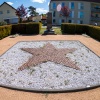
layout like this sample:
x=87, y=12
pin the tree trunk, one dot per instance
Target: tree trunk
x=20, y=19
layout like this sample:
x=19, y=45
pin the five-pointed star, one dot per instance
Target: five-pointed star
x=48, y=53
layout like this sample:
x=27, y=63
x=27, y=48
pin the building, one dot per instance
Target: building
x=7, y=13
x=82, y=11
x=37, y=18
x=44, y=19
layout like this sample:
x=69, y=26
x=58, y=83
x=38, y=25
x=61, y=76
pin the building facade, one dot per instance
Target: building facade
x=7, y=13
x=82, y=11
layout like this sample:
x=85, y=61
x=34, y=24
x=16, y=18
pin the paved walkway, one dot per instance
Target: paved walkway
x=7, y=94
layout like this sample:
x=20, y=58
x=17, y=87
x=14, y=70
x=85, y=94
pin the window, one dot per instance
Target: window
x=96, y=15
x=7, y=20
x=1, y=12
x=63, y=4
x=70, y=21
x=80, y=22
x=54, y=5
x=80, y=6
x=63, y=20
x=71, y=14
x=54, y=20
x=54, y=14
x=71, y=5
x=8, y=11
x=80, y=14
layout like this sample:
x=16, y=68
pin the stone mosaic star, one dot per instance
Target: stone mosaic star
x=48, y=53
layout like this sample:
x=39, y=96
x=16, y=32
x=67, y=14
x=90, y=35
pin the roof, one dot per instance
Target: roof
x=8, y=5
x=97, y=1
x=44, y=17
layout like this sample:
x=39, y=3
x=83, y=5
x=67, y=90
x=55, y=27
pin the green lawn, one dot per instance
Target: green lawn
x=57, y=30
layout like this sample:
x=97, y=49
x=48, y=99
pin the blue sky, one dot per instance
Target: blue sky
x=40, y=5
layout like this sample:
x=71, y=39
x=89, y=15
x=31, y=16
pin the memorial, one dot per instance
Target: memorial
x=49, y=30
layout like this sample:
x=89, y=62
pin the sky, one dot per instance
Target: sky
x=40, y=5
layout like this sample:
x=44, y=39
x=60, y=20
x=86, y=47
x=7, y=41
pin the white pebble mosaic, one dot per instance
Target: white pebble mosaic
x=50, y=75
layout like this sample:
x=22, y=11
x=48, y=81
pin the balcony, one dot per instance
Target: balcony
x=95, y=10
x=95, y=18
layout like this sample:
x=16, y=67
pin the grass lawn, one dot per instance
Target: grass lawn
x=57, y=30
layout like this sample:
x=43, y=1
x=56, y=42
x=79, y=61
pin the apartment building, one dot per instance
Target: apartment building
x=82, y=11
x=7, y=13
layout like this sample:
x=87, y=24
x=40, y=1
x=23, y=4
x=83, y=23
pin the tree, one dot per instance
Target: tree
x=21, y=12
x=65, y=11
x=44, y=15
x=32, y=11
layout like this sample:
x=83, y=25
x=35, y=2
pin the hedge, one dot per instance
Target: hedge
x=68, y=28
x=33, y=28
x=18, y=28
x=23, y=28
x=5, y=31
x=93, y=31
x=26, y=28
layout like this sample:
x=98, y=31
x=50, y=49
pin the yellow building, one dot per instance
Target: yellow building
x=82, y=11
x=7, y=13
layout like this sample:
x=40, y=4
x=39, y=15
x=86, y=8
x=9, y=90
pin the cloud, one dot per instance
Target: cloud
x=10, y=3
x=48, y=3
x=41, y=10
x=39, y=1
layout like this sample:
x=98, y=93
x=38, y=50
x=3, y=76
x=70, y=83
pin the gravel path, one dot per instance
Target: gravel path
x=50, y=75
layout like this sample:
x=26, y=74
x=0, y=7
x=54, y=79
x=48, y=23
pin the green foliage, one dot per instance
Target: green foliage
x=33, y=28
x=3, y=23
x=26, y=28
x=80, y=29
x=32, y=11
x=23, y=28
x=19, y=28
x=93, y=31
x=5, y=31
x=68, y=28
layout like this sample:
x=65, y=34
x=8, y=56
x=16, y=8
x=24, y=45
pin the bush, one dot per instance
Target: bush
x=19, y=28
x=23, y=28
x=93, y=31
x=3, y=23
x=5, y=31
x=68, y=28
x=80, y=29
x=33, y=28
x=26, y=28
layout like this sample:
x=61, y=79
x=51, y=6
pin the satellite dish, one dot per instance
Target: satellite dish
x=59, y=7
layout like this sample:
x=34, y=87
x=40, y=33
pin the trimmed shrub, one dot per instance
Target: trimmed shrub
x=5, y=31
x=92, y=31
x=26, y=28
x=23, y=28
x=19, y=28
x=68, y=28
x=33, y=28
x=80, y=29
